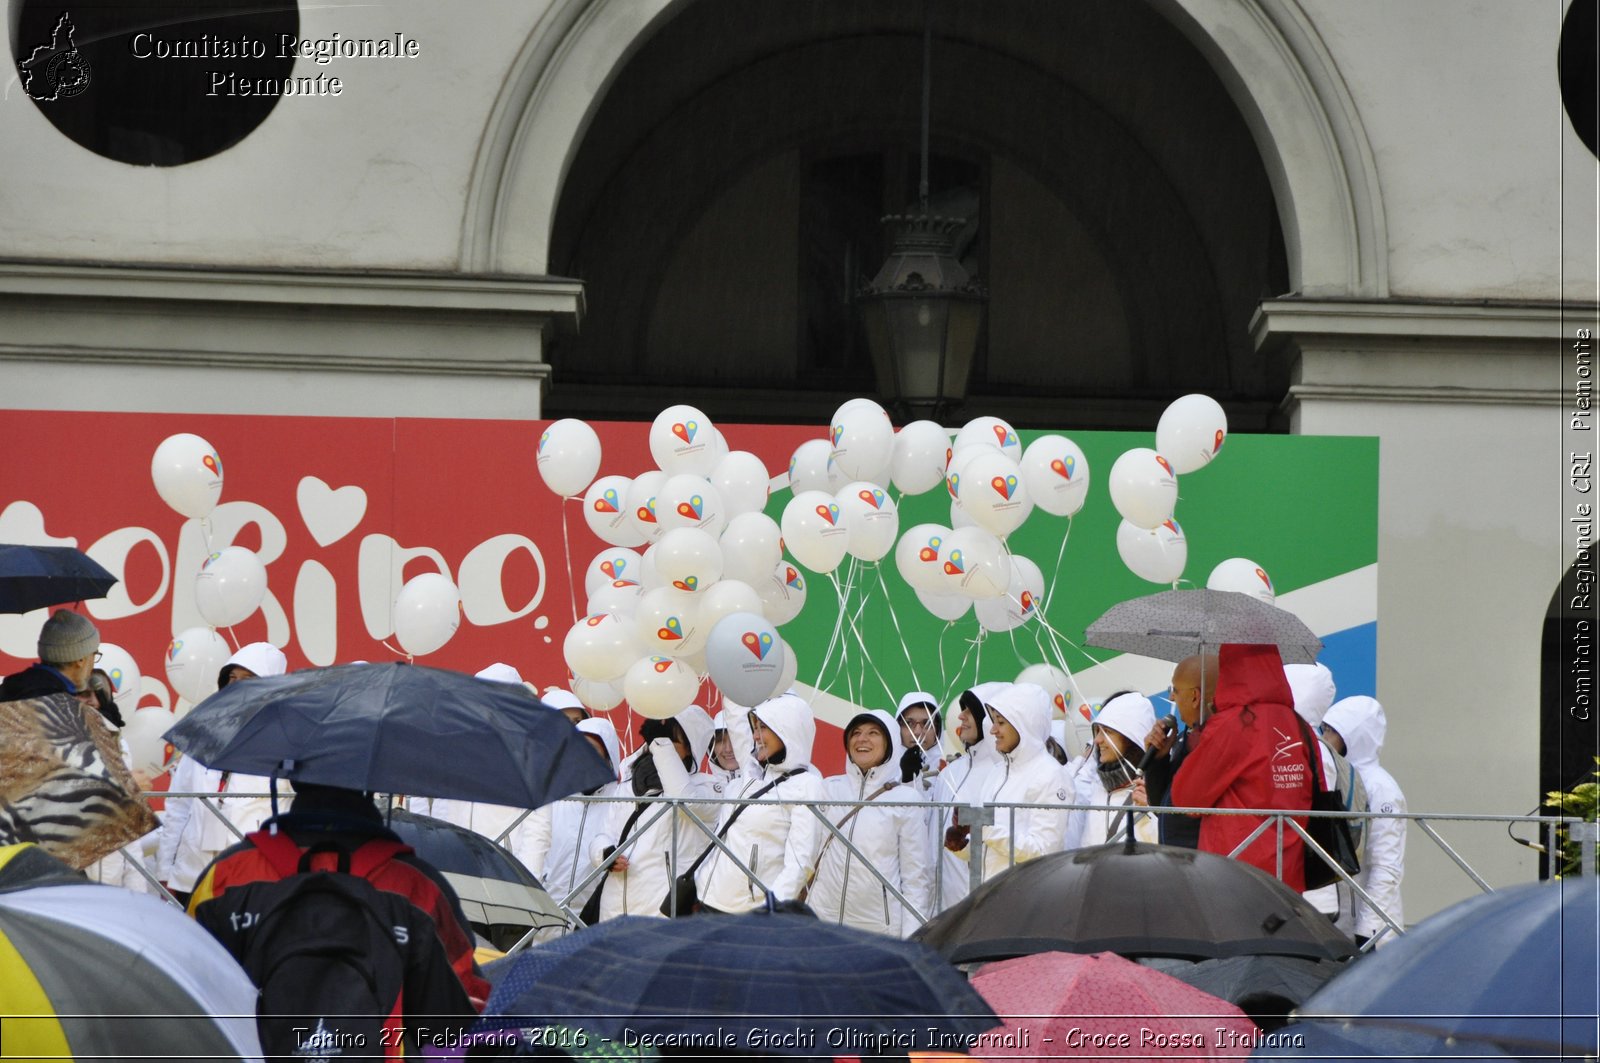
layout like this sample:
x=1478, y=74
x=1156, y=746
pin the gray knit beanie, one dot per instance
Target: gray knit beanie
x=67, y=637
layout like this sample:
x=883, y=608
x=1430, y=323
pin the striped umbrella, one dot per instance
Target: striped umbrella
x=93, y=971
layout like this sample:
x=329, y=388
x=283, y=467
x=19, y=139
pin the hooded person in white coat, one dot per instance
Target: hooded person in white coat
x=894, y=840
x=722, y=760
x=1019, y=719
x=668, y=766
x=776, y=841
x=1118, y=731
x=1358, y=725
x=554, y=841
x=1314, y=691
x=960, y=782
x=191, y=834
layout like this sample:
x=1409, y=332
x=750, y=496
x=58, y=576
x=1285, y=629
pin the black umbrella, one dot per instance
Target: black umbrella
x=1172, y=625
x=32, y=577
x=394, y=728
x=1267, y=988
x=1140, y=900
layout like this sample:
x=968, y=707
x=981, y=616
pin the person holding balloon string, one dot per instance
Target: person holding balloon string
x=961, y=782
x=1119, y=728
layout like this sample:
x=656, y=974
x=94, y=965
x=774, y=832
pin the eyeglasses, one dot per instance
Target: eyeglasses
x=97, y=656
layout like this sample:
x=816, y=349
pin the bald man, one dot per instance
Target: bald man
x=1193, y=694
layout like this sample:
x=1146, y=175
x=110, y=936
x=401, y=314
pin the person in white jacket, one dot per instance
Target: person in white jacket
x=1356, y=728
x=920, y=731
x=960, y=782
x=668, y=767
x=777, y=841
x=1019, y=718
x=1314, y=691
x=554, y=841
x=723, y=760
x=1119, y=730
x=192, y=835
x=892, y=837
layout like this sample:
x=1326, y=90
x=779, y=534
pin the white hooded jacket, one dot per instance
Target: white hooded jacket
x=554, y=841
x=1027, y=774
x=1131, y=716
x=1360, y=721
x=1314, y=691
x=893, y=839
x=781, y=840
x=960, y=782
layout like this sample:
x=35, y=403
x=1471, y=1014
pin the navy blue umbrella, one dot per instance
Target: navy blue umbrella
x=32, y=577
x=1511, y=972
x=746, y=984
x=398, y=729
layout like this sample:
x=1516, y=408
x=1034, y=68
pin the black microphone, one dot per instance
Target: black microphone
x=1168, y=724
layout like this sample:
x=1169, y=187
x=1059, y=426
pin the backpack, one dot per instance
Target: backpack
x=1352, y=795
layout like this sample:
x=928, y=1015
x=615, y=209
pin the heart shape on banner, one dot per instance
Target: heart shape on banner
x=329, y=514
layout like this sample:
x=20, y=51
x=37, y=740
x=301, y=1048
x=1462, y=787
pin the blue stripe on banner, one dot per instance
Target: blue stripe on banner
x=1352, y=656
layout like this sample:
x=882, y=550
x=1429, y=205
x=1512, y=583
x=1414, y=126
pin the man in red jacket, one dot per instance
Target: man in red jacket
x=1250, y=754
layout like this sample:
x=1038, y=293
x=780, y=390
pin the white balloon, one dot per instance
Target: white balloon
x=599, y=697
x=230, y=586
x=815, y=530
x=812, y=468
x=948, y=607
x=994, y=432
x=1191, y=432
x=610, y=565
x=719, y=443
x=1245, y=576
x=569, y=456
x=1058, y=685
x=1023, y=599
x=690, y=502
x=427, y=613
x=743, y=482
x=1157, y=554
x=187, y=472
x=751, y=545
x=791, y=669
x=918, y=557
x=658, y=688
x=727, y=596
x=683, y=440
x=642, y=504
x=605, y=510
x=1056, y=474
x=863, y=441
x=959, y=517
x=600, y=647
x=194, y=658
x=921, y=451
x=974, y=564
x=145, y=737
x=744, y=656
x=872, y=517
x=783, y=593
x=688, y=559
x=619, y=597
x=991, y=492
x=118, y=664
x=666, y=622
x=1143, y=487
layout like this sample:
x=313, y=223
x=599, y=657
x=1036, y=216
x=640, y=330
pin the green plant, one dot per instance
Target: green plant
x=1582, y=802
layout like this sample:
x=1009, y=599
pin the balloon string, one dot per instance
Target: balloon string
x=866, y=657
x=397, y=652
x=566, y=545
x=951, y=687
x=895, y=619
x=827, y=654
x=232, y=638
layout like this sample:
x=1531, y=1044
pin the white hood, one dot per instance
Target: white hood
x=1312, y=685
x=607, y=734
x=789, y=717
x=698, y=727
x=890, y=768
x=558, y=699
x=262, y=658
x=1028, y=708
x=500, y=673
x=1131, y=716
x=1362, y=724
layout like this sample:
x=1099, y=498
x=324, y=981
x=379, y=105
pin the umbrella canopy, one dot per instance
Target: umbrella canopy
x=93, y=971
x=32, y=577
x=775, y=984
x=1143, y=900
x=1512, y=971
x=1173, y=625
x=495, y=889
x=394, y=728
x=1072, y=1005
x=1266, y=988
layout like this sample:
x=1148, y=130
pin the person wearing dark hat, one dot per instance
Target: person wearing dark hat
x=69, y=645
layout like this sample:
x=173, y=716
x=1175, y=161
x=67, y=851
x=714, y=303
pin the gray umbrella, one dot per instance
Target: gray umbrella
x=1173, y=625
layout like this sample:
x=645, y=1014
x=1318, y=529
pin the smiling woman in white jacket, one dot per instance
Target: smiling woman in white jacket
x=777, y=842
x=1119, y=731
x=893, y=839
x=1026, y=773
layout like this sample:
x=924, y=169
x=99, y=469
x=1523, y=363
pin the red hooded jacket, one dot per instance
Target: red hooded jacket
x=1249, y=754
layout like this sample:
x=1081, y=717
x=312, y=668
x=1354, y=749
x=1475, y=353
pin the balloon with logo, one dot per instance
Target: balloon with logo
x=812, y=468
x=921, y=450
x=1023, y=599
x=600, y=647
x=569, y=456
x=690, y=502
x=688, y=559
x=194, y=657
x=605, y=510
x=118, y=664
x=1144, y=487
x=427, y=613
x=751, y=545
x=725, y=597
x=683, y=440
x=863, y=441
x=1245, y=576
x=642, y=505
x=230, y=586
x=743, y=483
x=974, y=564
x=992, y=492
x=947, y=607
x=782, y=594
x=145, y=734
x=744, y=656
x=666, y=622
x=187, y=472
x=1191, y=432
x=1157, y=554
x=1056, y=474
x=610, y=565
x=917, y=556
x=994, y=432
x=599, y=697
x=872, y=517
x=815, y=530
x=660, y=687
x=619, y=597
